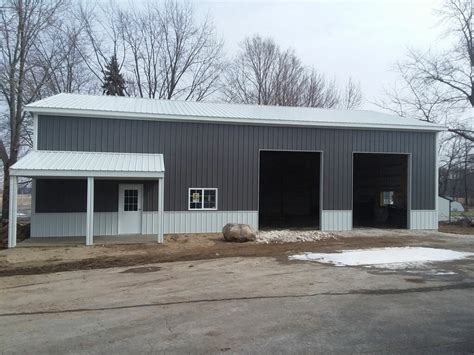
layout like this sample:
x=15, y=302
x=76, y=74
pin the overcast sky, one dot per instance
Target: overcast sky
x=361, y=39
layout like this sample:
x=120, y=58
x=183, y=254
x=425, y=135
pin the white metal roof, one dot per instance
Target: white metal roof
x=89, y=164
x=152, y=109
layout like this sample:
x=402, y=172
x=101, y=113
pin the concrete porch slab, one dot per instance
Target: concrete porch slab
x=98, y=240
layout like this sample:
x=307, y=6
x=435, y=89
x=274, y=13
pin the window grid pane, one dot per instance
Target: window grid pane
x=202, y=199
x=387, y=198
x=209, y=198
x=130, y=200
x=195, y=198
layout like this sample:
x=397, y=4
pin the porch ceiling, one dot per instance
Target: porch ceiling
x=46, y=163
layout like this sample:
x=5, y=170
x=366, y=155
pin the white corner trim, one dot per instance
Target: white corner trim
x=35, y=131
x=436, y=192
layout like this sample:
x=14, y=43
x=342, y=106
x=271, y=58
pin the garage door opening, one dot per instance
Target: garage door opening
x=380, y=190
x=289, y=194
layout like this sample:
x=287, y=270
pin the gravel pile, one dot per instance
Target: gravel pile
x=291, y=236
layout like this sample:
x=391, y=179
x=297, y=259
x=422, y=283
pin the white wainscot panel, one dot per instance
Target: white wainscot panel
x=198, y=221
x=72, y=224
x=423, y=219
x=336, y=220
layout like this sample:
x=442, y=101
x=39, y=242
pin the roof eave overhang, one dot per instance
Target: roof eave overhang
x=226, y=120
x=85, y=174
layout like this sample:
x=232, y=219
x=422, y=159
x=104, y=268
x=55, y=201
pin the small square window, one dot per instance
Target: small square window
x=202, y=199
x=386, y=198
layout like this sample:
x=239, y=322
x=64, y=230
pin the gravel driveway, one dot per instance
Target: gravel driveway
x=235, y=305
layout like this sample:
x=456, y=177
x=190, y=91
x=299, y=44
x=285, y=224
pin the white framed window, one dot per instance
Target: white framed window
x=202, y=198
x=386, y=198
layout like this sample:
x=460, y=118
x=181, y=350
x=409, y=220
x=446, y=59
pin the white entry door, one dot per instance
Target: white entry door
x=130, y=208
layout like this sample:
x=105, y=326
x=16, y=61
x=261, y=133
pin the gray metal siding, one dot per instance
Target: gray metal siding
x=227, y=156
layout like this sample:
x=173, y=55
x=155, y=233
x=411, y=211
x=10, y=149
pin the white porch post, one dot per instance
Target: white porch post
x=12, y=211
x=90, y=212
x=161, y=203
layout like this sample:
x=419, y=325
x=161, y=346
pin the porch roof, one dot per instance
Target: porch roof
x=47, y=163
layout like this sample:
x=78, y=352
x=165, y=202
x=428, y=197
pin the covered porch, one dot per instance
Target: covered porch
x=82, y=180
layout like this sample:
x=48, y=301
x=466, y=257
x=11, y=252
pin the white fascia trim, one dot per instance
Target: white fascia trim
x=74, y=173
x=158, y=117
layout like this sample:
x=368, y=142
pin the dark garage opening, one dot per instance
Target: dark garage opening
x=380, y=190
x=289, y=189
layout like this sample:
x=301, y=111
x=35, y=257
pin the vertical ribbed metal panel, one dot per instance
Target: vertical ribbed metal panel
x=336, y=220
x=226, y=156
x=424, y=219
x=197, y=221
x=72, y=224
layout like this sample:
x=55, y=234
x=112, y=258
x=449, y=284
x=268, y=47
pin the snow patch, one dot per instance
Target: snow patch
x=388, y=258
x=291, y=236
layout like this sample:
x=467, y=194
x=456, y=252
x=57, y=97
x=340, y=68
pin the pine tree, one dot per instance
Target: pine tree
x=114, y=83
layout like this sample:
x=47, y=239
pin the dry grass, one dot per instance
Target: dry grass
x=456, y=229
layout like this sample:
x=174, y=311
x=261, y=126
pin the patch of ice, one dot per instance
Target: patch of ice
x=430, y=272
x=389, y=258
x=290, y=236
x=444, y=272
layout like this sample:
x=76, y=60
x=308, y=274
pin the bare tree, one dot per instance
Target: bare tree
x=352, y=96
x=250, y=77
x=439, y=86
x=263, y=74
x=101, y=24
x=143, y=36
x=162, y=50
x=319, y=92
x=21, y=25
x=450, y=164
x=58, y=54
x=290, y=80
x=191, y=54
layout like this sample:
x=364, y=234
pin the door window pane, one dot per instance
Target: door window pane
x=130, y=200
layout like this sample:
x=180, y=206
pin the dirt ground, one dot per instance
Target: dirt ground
x=49, y=259
x=456, y=229
x=23, y=232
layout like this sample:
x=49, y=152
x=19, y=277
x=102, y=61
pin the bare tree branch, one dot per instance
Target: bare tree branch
x=263, y=74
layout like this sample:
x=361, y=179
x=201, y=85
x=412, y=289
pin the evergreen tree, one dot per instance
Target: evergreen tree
x=114, y=83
